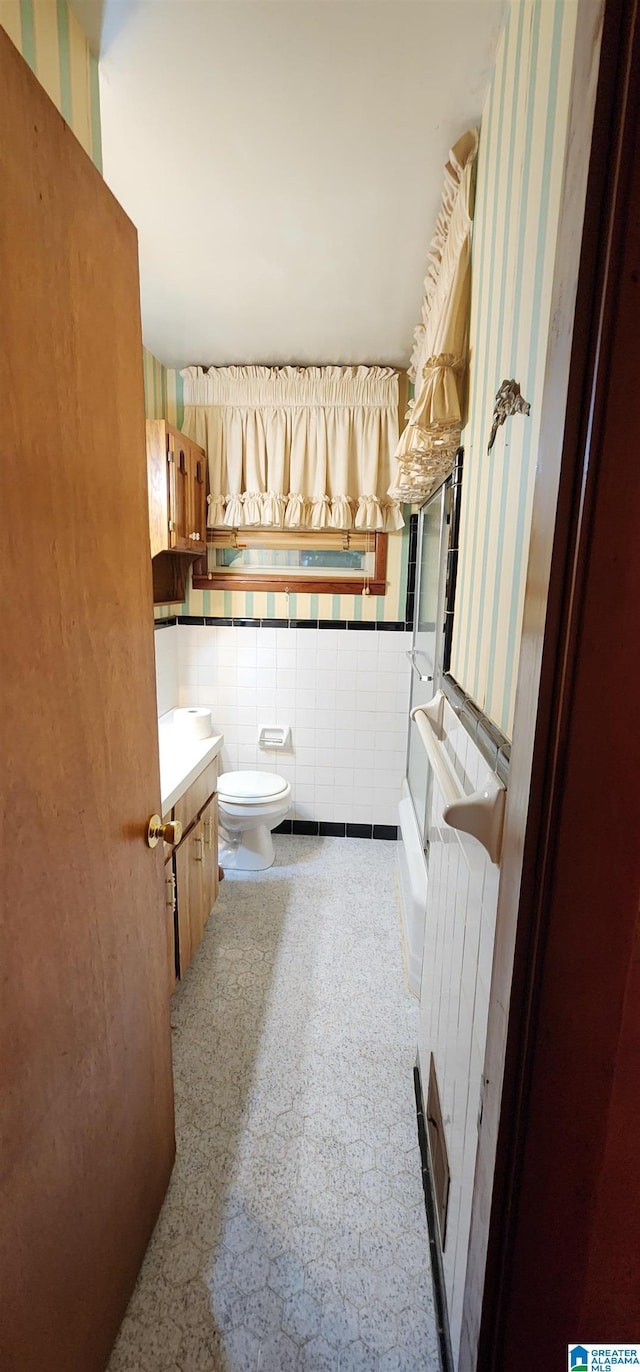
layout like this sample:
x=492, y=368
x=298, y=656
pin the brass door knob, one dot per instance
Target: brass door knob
x=170, y=832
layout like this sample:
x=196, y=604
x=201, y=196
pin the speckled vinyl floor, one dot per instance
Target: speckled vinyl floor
x=293, y=1235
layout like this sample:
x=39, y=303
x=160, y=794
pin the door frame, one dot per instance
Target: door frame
x=505, y=1275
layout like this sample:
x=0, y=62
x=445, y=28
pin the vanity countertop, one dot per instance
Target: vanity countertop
x=182, y=759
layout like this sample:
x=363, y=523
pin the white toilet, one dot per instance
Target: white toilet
x=250, y=805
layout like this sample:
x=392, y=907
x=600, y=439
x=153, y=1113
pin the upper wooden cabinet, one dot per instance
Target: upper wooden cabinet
x=177, y=479
x=177, y=482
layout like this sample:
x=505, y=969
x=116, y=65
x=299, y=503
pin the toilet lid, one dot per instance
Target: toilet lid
x=250, y=785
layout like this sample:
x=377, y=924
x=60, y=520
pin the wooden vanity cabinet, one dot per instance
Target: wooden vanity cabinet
x=196, y=882
x=177, y=488
x=191, y=870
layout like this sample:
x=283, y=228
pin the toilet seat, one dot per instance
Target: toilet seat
x=246, y=788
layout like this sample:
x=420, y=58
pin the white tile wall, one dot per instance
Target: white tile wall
x=345, y=694
x=167, y=689
x=459, y=936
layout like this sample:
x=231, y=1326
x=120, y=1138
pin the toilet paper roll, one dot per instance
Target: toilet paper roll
x=193, y=722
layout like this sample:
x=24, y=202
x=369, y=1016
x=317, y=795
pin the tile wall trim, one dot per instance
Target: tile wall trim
x=437, y=1270
x=165, y=623
x=214, y=621
x=494, y=746
x=313, y=828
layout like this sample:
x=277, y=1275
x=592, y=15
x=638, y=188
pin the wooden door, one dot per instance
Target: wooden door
x=86, y=1107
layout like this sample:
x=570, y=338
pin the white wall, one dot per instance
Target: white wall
x=345, y=694
x=167, y=691
x=456, y=976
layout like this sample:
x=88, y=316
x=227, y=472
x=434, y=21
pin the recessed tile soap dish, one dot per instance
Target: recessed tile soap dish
x=275, y=736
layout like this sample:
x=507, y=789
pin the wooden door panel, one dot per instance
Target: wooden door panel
x=179, y=451
x=199, y=495
x=210, y=831
x=170, y=918
x=184, y=886
x=198, y=887
x=86, y=1110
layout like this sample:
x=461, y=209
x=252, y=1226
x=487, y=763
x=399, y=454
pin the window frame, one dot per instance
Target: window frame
x=376, y=584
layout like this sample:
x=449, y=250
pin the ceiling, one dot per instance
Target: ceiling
x=283, y=163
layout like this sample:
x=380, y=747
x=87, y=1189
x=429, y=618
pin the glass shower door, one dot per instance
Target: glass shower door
x=427, y=644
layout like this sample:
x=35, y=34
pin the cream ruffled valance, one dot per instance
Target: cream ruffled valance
x=296, y=447
x=427, y=448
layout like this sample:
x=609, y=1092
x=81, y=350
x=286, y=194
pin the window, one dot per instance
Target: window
x=319, y=560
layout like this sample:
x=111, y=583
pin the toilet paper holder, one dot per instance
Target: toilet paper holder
x=274, y=736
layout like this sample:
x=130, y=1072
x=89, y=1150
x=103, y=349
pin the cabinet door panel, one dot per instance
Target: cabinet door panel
x=170, y=912
x=178, y=451
x=185, y=891
x=198, y=528
x=210, y=830
x=198, y=889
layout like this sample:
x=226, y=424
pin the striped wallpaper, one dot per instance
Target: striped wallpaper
x=518, y=191
x=163, y=397
x=49, y=37
x=520, y=168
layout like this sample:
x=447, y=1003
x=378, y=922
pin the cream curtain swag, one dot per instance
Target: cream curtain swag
x=296, y=447
x=427, y=448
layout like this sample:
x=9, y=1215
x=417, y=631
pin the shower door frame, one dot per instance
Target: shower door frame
x=444, y=495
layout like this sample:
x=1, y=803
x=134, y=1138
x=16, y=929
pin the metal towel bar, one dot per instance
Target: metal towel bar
x=411, y=654
x=480, y=814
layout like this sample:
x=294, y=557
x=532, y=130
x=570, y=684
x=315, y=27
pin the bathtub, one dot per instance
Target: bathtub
x=412, y=873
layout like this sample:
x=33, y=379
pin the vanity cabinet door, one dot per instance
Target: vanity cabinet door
x=196, y=882
x=170, y=913
x=209, y=823
x=188, y=861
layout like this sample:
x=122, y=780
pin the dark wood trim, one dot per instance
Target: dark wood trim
x=435, y=1249
x=564, y=917
x=262, y=581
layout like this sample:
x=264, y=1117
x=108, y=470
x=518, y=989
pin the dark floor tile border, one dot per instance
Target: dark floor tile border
x=494, y=746
x=328, y=829
x=215, y=621
x=389, y=831
x=321, y=828
x=435, y=1251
